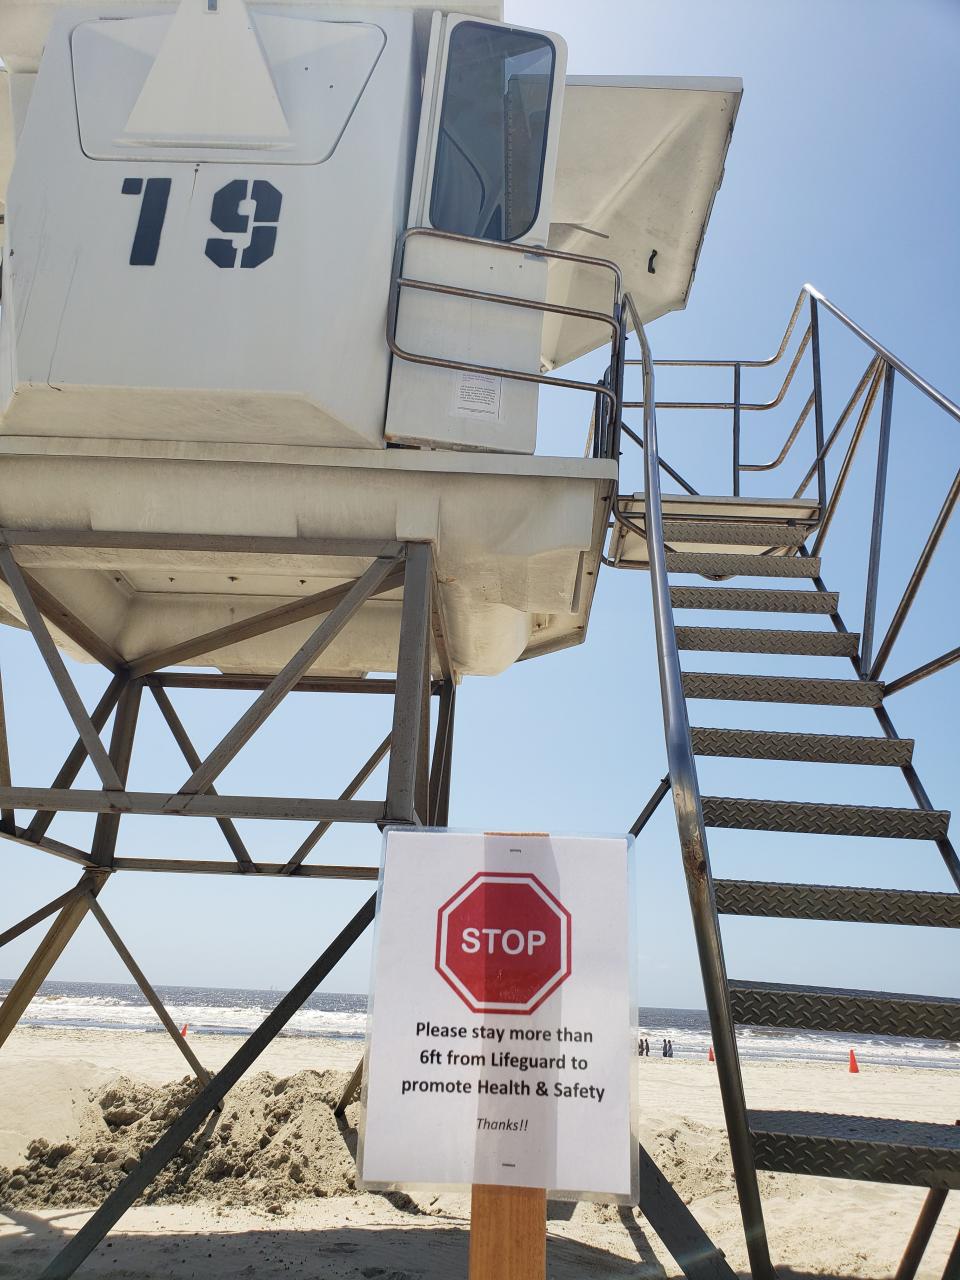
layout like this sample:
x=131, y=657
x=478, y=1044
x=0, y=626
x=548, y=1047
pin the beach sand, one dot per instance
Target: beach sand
x=817, y=1227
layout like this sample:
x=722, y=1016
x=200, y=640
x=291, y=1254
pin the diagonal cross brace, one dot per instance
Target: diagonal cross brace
x=285, y=680
x=230, y=832
x=55, y=665
x=135, y=1183
x=151, y=996
x=349, y=791
x=275, y=619
x=78, y=754
x=35, y=917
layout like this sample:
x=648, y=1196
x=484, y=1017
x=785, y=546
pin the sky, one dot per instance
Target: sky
x=842, y=171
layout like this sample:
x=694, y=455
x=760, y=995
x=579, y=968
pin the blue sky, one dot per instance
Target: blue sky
x=842, y=171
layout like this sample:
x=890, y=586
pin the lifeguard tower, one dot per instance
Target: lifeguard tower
x=281, y=285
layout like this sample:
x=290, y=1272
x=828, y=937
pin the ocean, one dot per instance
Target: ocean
x=224, y=1011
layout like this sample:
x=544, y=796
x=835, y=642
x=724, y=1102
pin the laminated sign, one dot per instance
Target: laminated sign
x=501, y=1044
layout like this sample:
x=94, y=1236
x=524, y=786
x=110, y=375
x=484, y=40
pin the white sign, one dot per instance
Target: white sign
x=477, y=395
x=501, y=1043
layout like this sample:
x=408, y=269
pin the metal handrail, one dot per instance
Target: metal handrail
x=606, y=442
x=759, y=406
x=888, y=357
x=690, y=826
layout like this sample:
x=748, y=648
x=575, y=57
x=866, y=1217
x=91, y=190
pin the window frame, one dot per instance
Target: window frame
x=548, y=43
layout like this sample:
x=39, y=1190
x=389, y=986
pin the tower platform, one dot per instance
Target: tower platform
x=149, y=544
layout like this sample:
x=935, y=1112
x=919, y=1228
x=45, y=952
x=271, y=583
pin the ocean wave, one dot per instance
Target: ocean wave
x=219, y=1011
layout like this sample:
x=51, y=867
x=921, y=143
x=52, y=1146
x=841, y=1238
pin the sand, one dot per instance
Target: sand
x=273, y=1193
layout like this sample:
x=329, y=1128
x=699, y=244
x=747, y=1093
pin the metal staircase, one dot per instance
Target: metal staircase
x=708, y=539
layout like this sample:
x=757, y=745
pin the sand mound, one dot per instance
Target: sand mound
x=276, y=1140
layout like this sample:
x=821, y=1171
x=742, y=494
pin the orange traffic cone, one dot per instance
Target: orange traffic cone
x=854, y=1067
x=183, y=1029
x=710, y=1057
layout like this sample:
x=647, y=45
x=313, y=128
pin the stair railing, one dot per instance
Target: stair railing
x=693, y=842
x=889, y=366
x=738, y=406
x=876, y=382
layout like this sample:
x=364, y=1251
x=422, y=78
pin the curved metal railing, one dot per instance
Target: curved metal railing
x=610, y=395
x=693, y=843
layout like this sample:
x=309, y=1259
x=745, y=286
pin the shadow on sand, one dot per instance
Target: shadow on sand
x=344, y=1252
x=347, y=1252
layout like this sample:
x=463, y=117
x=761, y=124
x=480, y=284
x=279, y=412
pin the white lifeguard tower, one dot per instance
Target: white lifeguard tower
x=281, y=283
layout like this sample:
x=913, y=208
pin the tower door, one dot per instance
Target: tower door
x=486, y=157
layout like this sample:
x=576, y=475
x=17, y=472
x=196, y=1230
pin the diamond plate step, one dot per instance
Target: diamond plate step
x=833, y=902
x=819, y=644
x=883, y=1013
x=830, y=693
x=818, y=748
x=735, y=533
x=859, y=1147
x=720, y=564
x=754, y=600
x=825, y=819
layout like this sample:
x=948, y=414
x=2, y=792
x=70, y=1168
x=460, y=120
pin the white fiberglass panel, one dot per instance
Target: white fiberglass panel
x=220, y=86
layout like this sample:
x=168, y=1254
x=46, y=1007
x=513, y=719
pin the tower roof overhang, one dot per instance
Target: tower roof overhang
x=641, y=160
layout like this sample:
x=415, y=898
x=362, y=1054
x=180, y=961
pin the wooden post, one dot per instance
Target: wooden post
x=508, y=1233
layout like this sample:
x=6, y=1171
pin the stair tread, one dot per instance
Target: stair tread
x=735, y=533
x=754, y=599
x=732, y=564
x=824, y=644
x=866, y=1148
x=824, y=748
x=821, y=1124
x=825, y=819
x=837, y=902
x=811, y=689
x=888, y=1013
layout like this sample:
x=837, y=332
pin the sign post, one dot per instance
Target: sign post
x=501, y=1044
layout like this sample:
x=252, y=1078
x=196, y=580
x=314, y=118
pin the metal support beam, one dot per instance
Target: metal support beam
x=8, y=821
x=440, y=770
x=121, y=749
x=402, y=790
x=649, y=809
x=351, y=789
x=65, y=686
x=876, y=528
x=93, y=1231
x=189, y=753
x=243, y=680
x=48, y=952
x=952, y=1270
x=35, y=917
x=68, y=852
x=151, y=996
x=292, y=809
x=60, y=616
x=930, y=1211
x=691, y=1248
x=287, y=678
x=351, y=1089
x=283, y=615
x=201, y=867
x=78, y=754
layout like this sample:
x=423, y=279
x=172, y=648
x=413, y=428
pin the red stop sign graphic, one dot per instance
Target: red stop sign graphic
x=503, y=942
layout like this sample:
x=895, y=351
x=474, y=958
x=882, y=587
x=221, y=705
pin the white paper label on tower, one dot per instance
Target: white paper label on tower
x=477, y=395
x=501, y=1044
